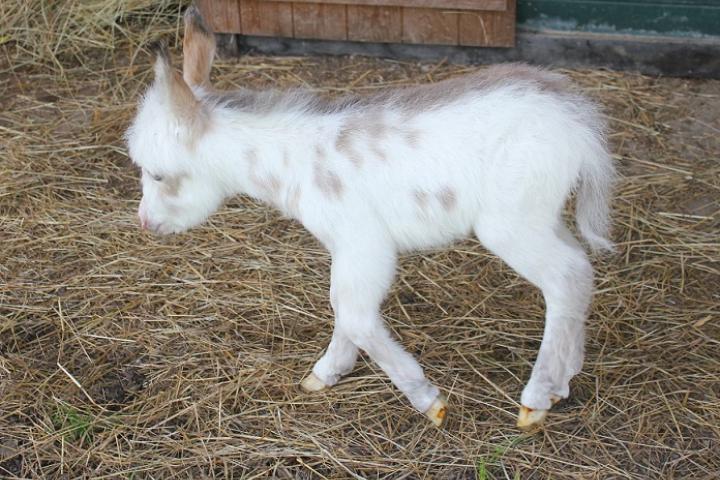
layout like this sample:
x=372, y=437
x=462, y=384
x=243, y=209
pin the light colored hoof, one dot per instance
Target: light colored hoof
x=437, y=413
x=311, y=383
x=529, y=418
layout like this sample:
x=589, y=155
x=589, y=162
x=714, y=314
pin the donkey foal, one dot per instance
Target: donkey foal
x=496, y=153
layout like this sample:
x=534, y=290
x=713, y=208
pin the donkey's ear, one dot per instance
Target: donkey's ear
x=176, y=93
x=198, y=49
x=163, y=61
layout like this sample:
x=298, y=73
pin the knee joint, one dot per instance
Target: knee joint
x=361, y=333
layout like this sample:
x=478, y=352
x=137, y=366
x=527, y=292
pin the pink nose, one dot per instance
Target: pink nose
x=143, y=222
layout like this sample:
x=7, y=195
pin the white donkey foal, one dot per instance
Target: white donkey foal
x=496, y=153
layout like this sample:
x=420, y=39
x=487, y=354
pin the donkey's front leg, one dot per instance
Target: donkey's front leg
x=361, y=275
x=338, y=360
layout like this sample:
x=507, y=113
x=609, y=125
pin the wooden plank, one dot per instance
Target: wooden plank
x=222, y=16
x=325, y=22
x=488, y=29
x=374, y=24
x=430, y=26
x=334, y=20
x=264, y=18
x=495, y=5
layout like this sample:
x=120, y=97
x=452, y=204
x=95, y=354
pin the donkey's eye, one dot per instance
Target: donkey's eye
x=157, y=178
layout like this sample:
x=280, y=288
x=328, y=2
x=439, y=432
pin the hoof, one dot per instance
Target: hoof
x=437, y=413
x=311, y=383
x=529, y=418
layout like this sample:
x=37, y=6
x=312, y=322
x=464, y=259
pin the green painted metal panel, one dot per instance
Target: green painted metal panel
x=647, y=17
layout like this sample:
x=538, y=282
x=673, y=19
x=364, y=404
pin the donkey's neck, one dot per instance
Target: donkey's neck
x=269, y=157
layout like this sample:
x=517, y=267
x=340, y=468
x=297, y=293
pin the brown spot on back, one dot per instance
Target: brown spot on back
x=344, y=143
x=371, y=127
x=374, y=125
x=327, y=181
x=447, y=198
x=378, y=152
x=343, y=140
x=412, y=137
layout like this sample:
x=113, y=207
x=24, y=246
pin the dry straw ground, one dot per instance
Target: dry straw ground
x=125, y=355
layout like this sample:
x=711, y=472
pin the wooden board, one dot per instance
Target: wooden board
x=266, y=18
x=486, y=23
x=223, y=16
x=431, y=26
x=499, y=5
x=487, y=29
x=374, y=24
x=321, y=21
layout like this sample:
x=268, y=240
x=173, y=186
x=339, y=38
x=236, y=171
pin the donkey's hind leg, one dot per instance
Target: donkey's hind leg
x=547, y=255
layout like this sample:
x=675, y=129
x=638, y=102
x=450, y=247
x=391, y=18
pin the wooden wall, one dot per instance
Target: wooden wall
x=487, y=23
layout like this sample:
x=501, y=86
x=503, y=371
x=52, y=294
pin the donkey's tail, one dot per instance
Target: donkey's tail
x=592, y=210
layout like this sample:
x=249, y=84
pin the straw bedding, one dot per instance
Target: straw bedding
x=126, y=355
